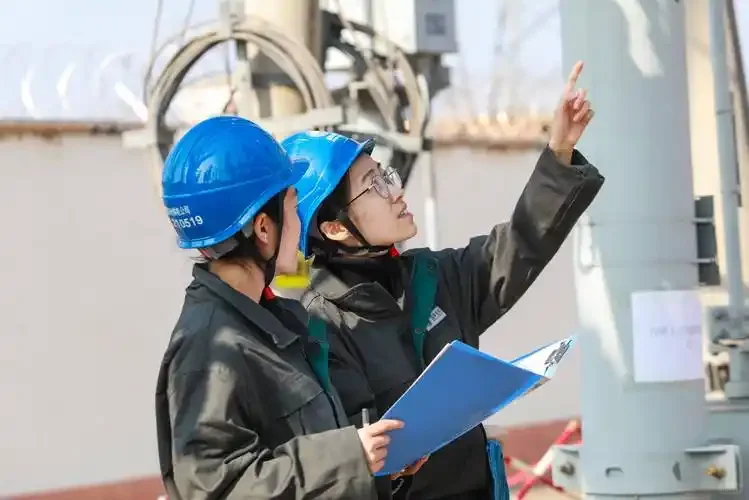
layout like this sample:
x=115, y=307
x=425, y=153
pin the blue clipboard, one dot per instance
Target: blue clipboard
x=460, y=389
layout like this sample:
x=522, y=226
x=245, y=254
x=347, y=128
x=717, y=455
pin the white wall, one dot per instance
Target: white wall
x=90, y=291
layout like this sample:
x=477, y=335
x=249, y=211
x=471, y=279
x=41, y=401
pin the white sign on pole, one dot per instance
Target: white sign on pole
x=667, y=336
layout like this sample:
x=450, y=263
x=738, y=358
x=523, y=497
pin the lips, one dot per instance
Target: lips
x=404, y=212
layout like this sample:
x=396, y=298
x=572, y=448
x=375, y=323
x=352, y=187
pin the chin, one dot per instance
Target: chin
x=408, y=232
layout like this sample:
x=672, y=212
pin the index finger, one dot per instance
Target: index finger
x=382, y=426
x=574, y=74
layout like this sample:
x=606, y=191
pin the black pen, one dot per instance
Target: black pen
x=364, y=417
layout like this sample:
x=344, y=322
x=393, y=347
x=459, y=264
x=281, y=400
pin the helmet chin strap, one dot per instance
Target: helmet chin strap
x=344, y=219
x=267, y=265
x=269, y=270
x=323, y=247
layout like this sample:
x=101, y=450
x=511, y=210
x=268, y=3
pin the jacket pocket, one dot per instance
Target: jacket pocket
x=297, y=406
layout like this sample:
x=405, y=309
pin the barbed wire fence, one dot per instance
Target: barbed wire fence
x=65, y=82
x=87, y=82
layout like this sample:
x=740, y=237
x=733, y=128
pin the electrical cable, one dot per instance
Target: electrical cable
x=379, y=82
x=186, y=23
x=414, y=100
x=303, y=70
x=409, y=81
x=497, y=56
x=292, y=58
x=155, y=35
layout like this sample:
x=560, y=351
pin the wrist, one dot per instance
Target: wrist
x=562, y=153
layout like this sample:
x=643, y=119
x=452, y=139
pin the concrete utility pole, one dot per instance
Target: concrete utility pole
x=729, y=418
x=643, y=399
x=298, y=19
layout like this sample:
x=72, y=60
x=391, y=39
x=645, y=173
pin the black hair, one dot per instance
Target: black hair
x=247, y=248
x=338, y=199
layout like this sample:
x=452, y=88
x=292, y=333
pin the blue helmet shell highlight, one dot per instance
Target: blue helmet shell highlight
x=328, y=156
x=219, y=175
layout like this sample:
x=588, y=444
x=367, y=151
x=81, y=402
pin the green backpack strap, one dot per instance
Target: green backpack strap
x=423, y=291
x=318, y=332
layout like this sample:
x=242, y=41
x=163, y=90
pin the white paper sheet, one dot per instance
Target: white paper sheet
x=544, y=361
x=667, y=336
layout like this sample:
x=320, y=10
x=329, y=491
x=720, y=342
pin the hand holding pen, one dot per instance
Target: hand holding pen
x=381, y=440
x=374, y=440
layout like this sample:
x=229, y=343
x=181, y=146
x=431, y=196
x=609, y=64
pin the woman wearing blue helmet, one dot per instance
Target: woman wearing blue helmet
x=244, y=404
x=390, y=314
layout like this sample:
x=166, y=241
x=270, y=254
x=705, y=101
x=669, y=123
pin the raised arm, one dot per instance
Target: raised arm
x=488, y=276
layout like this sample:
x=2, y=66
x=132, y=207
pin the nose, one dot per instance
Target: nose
x=396, y=192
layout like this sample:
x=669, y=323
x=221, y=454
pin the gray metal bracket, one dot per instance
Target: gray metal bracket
x=725, y=333
x=396, y=140
x=229, y=12
x=283, y=126
x=731, y=335
x=714, y=468
x=280, y=127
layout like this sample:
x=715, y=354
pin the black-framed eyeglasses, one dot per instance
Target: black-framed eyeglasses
x=383, y=183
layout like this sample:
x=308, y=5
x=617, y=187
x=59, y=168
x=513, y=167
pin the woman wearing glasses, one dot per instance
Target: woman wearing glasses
x=390, y=314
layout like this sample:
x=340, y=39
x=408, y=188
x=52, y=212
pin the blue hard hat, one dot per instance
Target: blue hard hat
x=328, y=156
x=219, y=175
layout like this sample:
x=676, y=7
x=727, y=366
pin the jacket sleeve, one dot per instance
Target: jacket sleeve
x=218, y=454
x=487, y=277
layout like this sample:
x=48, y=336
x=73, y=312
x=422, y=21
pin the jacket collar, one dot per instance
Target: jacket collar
x=364, y=299
x=266, y=321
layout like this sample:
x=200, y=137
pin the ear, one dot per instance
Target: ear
x=334, y=230
x=261, y=228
